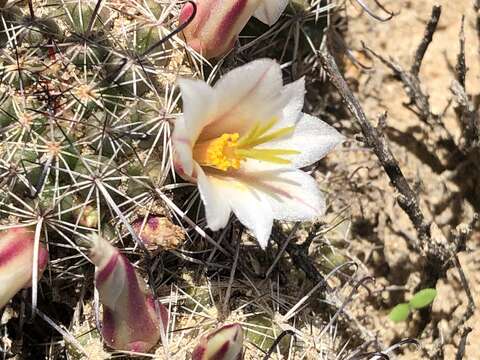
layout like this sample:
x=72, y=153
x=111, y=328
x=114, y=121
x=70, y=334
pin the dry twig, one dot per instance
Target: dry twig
x=434, y=249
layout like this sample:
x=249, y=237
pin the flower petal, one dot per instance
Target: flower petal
x=183, y=158
x=294, y=94
x=16, y=261
x=217, y=209
x=252, y=210
x=292, y=194
x=269, y=11
x=312, y=137
x=198, y=102
x=246, y=95
x=229, y=194
x=301, y=198
x=260, y=192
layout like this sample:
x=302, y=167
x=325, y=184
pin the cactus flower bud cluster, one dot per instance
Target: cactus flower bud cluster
x=16, y=261
x=225, y=343
x=132, y=321
x=217, y=23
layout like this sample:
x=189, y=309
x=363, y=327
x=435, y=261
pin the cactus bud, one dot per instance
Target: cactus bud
x=225, y=343
x=130, y=320
x=16, y=261
x=217, y=23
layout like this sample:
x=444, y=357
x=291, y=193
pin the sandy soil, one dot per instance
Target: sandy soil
x=387, y=254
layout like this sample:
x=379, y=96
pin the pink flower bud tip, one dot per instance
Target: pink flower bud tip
x=132, y=320
x=217, y=23
x=16, y=261
x=225, y=343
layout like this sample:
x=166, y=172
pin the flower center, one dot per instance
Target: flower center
x=219, y=153
x=229, y=150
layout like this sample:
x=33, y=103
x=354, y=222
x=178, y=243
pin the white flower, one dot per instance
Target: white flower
x=243, y=142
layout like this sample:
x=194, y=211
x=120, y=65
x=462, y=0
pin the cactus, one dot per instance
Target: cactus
x=87, y=100
x=86, y=95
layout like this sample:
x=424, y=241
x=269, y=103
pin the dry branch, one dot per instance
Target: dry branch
x=440, y=254
x=434, y=249
x=463, y=343
x=427, y=39
x=466, y=111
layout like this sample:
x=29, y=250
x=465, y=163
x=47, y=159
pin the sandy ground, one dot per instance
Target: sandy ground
x=379, y=92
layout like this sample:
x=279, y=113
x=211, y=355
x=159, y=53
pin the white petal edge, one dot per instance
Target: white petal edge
x=312, y=137
x=198, y=103
x=217, y=208
x=245, y=95
x=250, y=207
x=294, y=95
x=182, y=156
x=301, y=198
x=269, y=11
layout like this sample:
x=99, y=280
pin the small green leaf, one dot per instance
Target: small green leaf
x=423, y=298
x=399, y=313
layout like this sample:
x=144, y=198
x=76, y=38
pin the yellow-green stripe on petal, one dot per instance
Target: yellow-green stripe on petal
x=229, y=150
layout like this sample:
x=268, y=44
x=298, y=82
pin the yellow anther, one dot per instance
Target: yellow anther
x=229, y=150
x=218, y=153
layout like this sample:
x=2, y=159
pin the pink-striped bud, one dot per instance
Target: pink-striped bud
x=217, y=23
x=225, y=343
x=16, y=261
x=132, y=320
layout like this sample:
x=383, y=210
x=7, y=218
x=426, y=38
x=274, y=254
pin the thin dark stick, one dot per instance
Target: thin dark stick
x=300, y=258
x=463, y=343
x=465, y=285
x=139, y=59
x=427, y=39
x=376, y=141
x=276, y=342
x=93, y=18
x=461, y=67
x=174, y=32
x=30, y=8
x=371, y=355
x=382, y=354
x=42, y=178
x=465, y=110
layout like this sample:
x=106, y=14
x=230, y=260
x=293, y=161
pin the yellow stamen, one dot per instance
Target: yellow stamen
x=269, y=155
x=229, y=150
x=218, y=153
